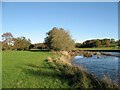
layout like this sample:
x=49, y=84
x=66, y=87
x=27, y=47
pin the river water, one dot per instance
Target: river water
x=102, y=66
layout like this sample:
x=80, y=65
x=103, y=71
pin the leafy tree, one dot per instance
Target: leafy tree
x=103, y=41
x=118, y=42
x=78, y=45
x=43, y=46
x=7, y=41
x=31, y=46
x=107, y=42
x=39, y=46
x=5, y=46
x=7, y=38
x=21, y=43
x=59, y=39
x=89, y=43
x=112, y=41
x=98, y=43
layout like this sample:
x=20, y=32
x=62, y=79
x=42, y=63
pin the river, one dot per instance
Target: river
x=102, y=66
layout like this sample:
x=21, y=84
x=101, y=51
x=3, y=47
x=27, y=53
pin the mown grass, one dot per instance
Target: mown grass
x=24, y=69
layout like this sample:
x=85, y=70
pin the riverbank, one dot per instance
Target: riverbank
x=90, y=53
x=76, y=75
x=104, y=50
x=26, y=69
x=100, y=48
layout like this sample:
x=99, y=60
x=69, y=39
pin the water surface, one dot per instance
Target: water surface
x=104, y=65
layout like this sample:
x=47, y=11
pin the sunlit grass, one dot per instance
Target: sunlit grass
x=23, y=69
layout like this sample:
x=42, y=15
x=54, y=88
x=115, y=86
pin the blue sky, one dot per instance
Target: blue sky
x=87, y=20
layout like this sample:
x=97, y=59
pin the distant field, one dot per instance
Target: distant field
x=101, y=48
x=24, y=69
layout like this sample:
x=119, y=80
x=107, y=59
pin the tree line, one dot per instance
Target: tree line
x=56, y=39
x=98, y=43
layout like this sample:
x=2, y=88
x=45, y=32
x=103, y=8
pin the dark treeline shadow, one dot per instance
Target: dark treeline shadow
x=39, y=50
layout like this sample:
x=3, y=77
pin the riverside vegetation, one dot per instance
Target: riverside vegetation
x=25, y=69
x=76, y=76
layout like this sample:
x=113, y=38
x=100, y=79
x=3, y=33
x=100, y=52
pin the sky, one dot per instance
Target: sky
x=84, y=20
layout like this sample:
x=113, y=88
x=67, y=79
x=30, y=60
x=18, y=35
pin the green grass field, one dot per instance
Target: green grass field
x=25, y=69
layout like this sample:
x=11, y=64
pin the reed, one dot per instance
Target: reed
x=77, y=77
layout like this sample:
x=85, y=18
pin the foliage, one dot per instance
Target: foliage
x=77, y=77
x=29, y=70
x=5, y=46
x=97, y=43
x=7, y=41
x=11, y=43
x=21, y=43
x=7, y=38
x=88, y=43
x=31, y=46
x=107, y=42
x=112, y=41
x=78, y=45
x=59, y=39
x=118, y=42
x=38, y=46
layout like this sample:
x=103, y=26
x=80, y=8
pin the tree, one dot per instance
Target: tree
x=31, y=46
x=107, y=42
x=43, y=46
x=78, y=45
x=118, y=42
x=7, y=41
x=59, y=39
x=5, y=46
x=7, y=38
x=98, y=43
x=112, y=41
x=88, y=43
x=21, y=43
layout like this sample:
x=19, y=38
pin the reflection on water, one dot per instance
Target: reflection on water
x=104, y=65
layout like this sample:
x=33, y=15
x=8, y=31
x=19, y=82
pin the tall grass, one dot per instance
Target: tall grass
x=77, y=77
x=23, y=69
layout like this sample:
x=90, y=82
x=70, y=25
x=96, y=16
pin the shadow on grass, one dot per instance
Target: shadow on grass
x=79, y=79
x=45, y=72
x=39, y=50
x=38, y=70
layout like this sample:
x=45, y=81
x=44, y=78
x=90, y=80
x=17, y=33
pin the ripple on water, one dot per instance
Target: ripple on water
x=104, y=65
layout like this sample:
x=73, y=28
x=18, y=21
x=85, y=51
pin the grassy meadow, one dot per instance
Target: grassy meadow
x=28, y=69
x=25, y=69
